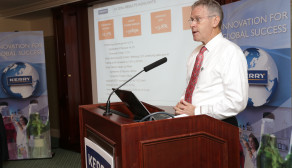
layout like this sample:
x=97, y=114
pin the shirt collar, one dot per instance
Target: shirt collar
x=213, y=42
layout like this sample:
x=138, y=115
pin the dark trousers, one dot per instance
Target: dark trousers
x=231, y=120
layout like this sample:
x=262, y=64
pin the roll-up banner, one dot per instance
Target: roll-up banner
x=23, y=95
x=262, y=29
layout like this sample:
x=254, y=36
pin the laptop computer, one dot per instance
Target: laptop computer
x=136, y=106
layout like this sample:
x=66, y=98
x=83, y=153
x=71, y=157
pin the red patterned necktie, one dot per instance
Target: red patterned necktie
x=195, y=74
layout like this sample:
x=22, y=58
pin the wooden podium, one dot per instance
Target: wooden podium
x=187, y=142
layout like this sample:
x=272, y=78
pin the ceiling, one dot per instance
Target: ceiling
x=20, y=8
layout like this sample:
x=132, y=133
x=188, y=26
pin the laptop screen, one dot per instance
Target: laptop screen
x=133, y=103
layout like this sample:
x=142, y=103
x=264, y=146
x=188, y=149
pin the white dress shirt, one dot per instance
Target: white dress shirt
x=222, y=83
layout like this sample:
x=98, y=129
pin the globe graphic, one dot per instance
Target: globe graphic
x=258, y=59
x=20, y=69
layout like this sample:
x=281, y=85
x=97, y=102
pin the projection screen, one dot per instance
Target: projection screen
x=127, y=36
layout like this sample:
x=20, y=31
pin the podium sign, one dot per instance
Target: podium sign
x=96, y=157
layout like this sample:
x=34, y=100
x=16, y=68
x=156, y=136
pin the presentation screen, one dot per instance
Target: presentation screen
x=127, y=36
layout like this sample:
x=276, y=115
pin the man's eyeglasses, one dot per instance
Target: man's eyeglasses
x=198, y=19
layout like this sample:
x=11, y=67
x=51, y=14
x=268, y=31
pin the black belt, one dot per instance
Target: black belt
x=231, y=120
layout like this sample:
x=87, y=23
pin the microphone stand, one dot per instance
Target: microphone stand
x=107, y=110
x=147, y=68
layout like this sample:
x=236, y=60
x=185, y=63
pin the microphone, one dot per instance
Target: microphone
x=155, y=64
x=146, y=69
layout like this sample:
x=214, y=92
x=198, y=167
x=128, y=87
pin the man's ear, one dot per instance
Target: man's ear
x=216, y=20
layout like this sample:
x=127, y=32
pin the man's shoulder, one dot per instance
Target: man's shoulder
x=228, y=50
x=222, y=43
x=229, y=45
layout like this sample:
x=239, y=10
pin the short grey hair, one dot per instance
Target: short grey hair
x=213, y=7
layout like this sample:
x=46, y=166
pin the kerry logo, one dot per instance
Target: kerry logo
x=19, y=80
x=258, y=77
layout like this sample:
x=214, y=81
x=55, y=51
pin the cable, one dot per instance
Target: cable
x=153, y=114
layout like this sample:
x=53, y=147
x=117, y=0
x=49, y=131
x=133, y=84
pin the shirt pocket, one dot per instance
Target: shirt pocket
x=209, y=76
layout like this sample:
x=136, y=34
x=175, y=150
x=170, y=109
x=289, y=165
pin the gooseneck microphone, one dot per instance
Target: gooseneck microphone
x=146, y=69
x=155, y=64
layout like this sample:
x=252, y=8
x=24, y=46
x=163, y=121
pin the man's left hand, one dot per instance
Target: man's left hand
x=184, y=107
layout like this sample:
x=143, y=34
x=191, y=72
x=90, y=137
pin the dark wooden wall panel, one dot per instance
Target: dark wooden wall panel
x=74, y=73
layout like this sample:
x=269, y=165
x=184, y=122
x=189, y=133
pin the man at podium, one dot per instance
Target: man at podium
x=216, y=70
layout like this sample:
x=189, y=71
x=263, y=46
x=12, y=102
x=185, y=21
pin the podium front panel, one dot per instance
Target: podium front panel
x=189, y=150
x=195, y=141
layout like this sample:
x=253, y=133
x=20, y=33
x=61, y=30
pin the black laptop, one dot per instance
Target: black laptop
x=133, y=103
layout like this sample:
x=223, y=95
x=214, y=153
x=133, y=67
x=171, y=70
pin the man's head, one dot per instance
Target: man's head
x=206, y=20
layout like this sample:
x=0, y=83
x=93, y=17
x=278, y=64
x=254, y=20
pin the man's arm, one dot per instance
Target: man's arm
x=235, y=85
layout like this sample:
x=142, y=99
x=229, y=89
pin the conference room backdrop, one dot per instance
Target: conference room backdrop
x=23, y=95
x=262, y=29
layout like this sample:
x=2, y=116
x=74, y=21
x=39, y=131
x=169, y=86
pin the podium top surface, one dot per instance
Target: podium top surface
x=121, y=107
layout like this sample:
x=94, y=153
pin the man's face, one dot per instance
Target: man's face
x=202, y=26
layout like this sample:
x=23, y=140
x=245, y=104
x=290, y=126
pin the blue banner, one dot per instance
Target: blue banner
x=262, y=29
x=23, y=95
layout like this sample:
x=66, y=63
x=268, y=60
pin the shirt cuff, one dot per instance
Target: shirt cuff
x=197, y=111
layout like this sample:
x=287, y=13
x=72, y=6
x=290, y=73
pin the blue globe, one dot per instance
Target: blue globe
x=21, y=89
x=258, y=59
